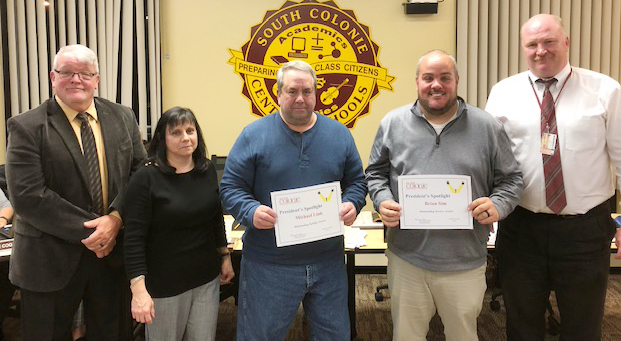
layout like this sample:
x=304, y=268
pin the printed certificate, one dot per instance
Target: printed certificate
x=435, y=201
x=307, y=214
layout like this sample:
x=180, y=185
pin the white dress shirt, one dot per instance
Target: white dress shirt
x=588, y=115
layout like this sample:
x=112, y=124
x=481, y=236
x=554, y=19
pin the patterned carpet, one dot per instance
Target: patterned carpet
x=374, y=322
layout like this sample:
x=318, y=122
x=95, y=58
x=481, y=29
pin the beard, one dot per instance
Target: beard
x=437, y=111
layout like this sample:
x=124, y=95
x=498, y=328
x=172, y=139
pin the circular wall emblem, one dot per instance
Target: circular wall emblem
x=332, y=40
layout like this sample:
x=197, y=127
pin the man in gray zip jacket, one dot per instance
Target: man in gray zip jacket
x=440, y=269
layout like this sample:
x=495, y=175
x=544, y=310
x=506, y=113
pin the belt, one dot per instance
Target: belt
x=603, y=208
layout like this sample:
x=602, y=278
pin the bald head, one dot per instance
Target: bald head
x=437, y=53
x=545, y=45
x=544, y=19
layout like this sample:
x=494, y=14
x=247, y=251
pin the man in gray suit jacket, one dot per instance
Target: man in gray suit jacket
x=66, y=193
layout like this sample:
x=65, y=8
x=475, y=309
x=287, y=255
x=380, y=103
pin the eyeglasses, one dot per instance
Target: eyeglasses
x=85, y=76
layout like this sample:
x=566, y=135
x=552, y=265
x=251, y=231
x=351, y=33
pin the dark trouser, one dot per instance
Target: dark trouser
x=48, y=315
x=540, y=252
x=6, y=292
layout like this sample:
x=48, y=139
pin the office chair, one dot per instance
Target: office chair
x=379, y=296
x=231, y=289
x=219, y=162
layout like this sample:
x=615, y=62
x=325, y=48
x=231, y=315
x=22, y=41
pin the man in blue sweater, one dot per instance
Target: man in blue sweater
x=440, y=269
x=292, y=148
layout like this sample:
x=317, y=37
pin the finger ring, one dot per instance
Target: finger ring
x=487, y=213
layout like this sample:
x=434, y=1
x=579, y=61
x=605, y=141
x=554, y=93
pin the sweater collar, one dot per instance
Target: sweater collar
x=284, y=125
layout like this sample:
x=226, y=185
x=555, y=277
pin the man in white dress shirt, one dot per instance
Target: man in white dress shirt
x=565, y=123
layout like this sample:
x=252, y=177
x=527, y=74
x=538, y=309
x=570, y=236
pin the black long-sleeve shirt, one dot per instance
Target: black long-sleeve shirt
x=173, y=227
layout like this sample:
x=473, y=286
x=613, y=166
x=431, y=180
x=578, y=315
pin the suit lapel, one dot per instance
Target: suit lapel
x=110, y=129
x=58, y=120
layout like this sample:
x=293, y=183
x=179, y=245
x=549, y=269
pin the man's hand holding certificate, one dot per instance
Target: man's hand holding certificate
x=307, y=214
x=435, y=201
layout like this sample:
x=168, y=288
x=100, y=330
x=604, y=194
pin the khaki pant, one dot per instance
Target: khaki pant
x=417, y=293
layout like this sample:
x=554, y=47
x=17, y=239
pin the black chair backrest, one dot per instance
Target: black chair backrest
x=219, y=162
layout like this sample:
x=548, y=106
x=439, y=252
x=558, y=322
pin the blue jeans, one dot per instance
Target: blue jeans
x=270, y=294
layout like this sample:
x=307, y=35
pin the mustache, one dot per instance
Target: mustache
x=540, y=58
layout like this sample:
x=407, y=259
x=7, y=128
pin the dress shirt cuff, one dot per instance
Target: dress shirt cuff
x=116, y=213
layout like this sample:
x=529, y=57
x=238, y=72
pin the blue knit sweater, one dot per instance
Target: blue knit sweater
x=268, y=156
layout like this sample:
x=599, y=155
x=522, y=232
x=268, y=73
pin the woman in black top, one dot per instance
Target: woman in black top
x=175, y=244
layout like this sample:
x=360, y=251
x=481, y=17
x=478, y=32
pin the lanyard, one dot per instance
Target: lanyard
x=559, y=93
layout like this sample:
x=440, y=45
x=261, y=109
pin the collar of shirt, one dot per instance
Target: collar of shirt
x=71, y=114
x=560, y=79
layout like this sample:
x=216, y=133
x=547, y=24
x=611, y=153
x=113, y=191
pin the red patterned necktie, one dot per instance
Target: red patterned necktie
x=92, y=163
x=552, y=170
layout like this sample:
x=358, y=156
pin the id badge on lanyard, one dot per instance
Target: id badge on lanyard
x=549, y=140
x=548, y=143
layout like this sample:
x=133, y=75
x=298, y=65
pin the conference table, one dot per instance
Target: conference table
x=374, y=244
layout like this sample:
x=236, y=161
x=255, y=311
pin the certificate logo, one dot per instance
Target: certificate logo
x=415, y=185
x=453, y=189
x=288, y=200
x=329, y=38
x=324, y=198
